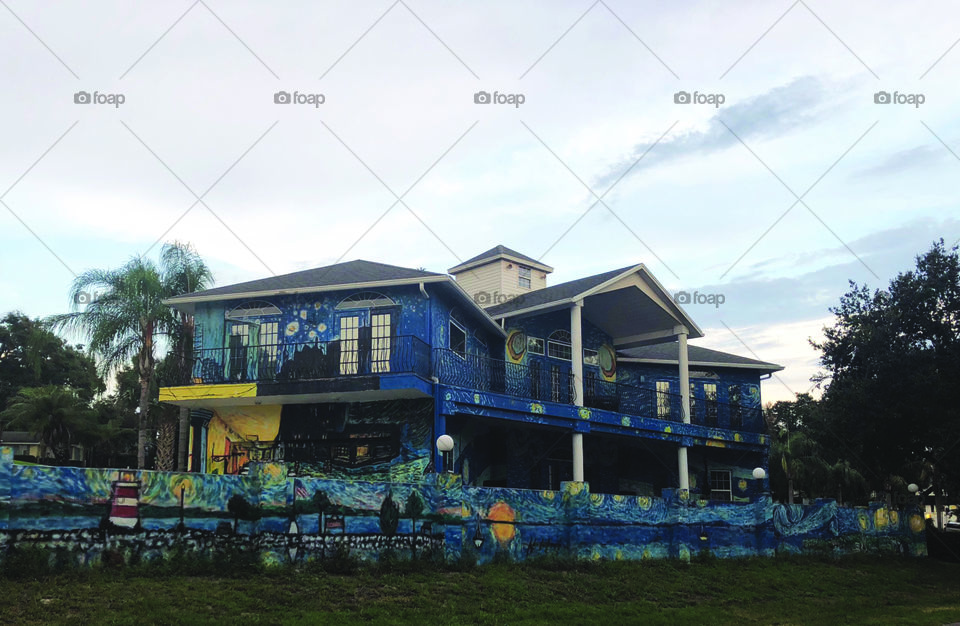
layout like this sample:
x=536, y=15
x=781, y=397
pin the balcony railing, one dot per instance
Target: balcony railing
x=555, y=384
x=313, y=360
x=545, y=384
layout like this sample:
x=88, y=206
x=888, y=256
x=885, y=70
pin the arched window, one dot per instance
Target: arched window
x=254, y=308
x=558, y=345
x=365, y=300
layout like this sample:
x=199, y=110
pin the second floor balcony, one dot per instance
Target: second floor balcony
x=308, y=361
x=554, y=383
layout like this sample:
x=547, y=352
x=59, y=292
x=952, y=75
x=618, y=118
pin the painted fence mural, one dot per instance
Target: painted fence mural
x=86, y=514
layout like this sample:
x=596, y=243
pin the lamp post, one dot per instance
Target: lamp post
x=445, y=446
x=759, y=474
x=914, y=490
x=478, y=536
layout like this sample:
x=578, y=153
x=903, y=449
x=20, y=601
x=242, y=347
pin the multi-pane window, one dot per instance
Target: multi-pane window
x=535, y=345
x=556, y=384
x=238, y=341
x=736, y=414
x=663, y=399
x=591, y=357
x=558, y=345
x=380, y=342
x=268, y=341
x=710, y=403
x=720, y=485
x=693, y=404
x=525, y=275
x=458, y=339
x=349, y=344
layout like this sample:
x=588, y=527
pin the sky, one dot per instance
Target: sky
x=765, y=152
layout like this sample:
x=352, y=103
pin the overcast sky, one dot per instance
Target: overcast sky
x=795, y=184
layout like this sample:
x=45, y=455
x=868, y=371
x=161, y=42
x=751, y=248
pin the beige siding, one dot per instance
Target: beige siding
x=481, y=283
x=498, y=281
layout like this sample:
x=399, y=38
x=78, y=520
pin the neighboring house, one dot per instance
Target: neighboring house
x=354, y=370
x=27, y=446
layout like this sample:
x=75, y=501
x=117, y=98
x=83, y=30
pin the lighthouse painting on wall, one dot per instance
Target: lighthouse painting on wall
x=124, y=504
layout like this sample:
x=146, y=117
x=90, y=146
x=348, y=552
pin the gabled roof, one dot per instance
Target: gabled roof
x=349, y=275
x=498, y=252
x=557, y=293
x=666, y=354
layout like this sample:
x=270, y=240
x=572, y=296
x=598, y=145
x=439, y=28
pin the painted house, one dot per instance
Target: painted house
x=353, y=371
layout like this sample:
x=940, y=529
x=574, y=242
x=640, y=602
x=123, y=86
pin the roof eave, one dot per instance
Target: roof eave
x=187, y=299
x=767, y=367
x=476, y=307
x=496, y=257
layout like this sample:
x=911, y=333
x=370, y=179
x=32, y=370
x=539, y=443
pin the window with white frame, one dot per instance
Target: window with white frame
x=558, y=345
x=380, y=334
x=535, y=345
x=591, y=357
x=663, y=399
x=720, y=485
x=525, y=275
x=736, y=415
x=710, y=403
x=269, y=332
x=458, y=339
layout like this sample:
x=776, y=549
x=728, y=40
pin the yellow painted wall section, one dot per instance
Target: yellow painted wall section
x=239, y=423
x=204, y=392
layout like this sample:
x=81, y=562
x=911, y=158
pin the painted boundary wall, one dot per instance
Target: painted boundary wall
x=78, y=514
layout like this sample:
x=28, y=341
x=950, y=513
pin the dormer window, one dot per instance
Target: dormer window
x=525, y=275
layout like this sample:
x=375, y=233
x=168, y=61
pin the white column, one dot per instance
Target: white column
x=576, y=349
x=684, y=362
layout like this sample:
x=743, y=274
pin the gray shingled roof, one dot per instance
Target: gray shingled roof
x=347, y=273
x=698, y=355
x=557, y=293
x=19, y=436
x=496, y=251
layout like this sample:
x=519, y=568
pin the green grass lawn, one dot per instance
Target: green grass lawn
x=756, y=591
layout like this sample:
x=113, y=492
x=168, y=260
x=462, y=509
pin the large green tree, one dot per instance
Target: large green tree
x=128, y=317
x=55, y=415
x=891, y=376
x=32, y=356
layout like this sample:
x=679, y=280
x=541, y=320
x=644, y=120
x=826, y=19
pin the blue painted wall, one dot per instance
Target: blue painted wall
x=64, y=510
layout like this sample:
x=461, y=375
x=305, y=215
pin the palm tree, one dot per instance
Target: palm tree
x=184, y=272
x=798, y=457
x=128, y=315
x=55, y=415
